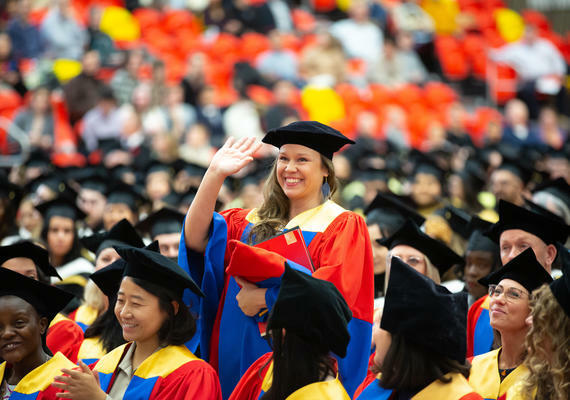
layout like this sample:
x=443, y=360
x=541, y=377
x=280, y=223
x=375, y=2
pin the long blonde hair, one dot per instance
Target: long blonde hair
x=274, y=211
x=548, y=344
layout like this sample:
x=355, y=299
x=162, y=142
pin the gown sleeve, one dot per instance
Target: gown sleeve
x=207, y=269
x=249, y=386
x=194, y=380
x=66, y=337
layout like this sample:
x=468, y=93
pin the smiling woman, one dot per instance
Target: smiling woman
x=297, y=194
x=154, y=364
x=26, y=308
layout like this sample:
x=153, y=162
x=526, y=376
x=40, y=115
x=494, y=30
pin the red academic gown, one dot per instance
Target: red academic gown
x=257, y=380
x=64, y=336
x=37, y=384
x=171, y=373
x=340, y=249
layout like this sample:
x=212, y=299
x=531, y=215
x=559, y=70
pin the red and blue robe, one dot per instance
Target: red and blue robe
x=258, y=379
x=64, y=336
x=457, y=389
x=171, y=373
x=36, y=385
x=340, y=249
x=485, y=379
x=479, y=331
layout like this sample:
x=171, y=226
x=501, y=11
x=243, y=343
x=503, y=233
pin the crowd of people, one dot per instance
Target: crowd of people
x=138, y=220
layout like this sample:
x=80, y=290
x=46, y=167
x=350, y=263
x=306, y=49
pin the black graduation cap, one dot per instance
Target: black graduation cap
x=122, y=233
x=426, y=164
x=561, y=287
x=165, y=220
x=438, y=253
x=393, y=211
x=312, y=134
x=47, y=300
x=27, y=249
x=153, y=267
x=537, y=208
x=425, y=313
x=109, y=278
x=457, y=219
x=10, y=191
x=524, y=269
x=192, y=169
x=108, y=145
x=157, y=166
x=512, y=216
x=313, y=309
x=93, y=178
x=370, y=173
x=121, y=193
x=473, y=175
x=557, y=187
x=53, y=180
x=514, y=164
x=63, y=206
x=478, y=240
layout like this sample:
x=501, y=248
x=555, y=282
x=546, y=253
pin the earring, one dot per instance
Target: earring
x=326, y=189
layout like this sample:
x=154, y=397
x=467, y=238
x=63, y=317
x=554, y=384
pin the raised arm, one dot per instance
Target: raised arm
x=231, y=158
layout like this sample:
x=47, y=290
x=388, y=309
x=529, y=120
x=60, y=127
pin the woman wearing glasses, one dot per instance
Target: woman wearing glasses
x=493, y=373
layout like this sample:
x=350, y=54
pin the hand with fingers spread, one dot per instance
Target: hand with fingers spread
x=80, y=384
x=234, y=155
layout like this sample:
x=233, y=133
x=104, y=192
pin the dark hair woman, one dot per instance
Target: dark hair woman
x=309, y=321
x=26, y=309
x=297, y=194
x=420, y=346
x=155, y=364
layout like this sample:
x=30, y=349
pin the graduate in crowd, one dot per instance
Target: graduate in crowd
x=428, y=256
x=28, y=259
x=59, y=232
x=510, y=288
x=384, y=216
x=297, y=193
x=481, y=258
x=164, y=226
x=101, y=244
x=427, y=189
x=420, y=346
x=26, y=308
x=309, y=320
x=548, y=357
x=154, y=364
x=516, y=230
x=123, y=202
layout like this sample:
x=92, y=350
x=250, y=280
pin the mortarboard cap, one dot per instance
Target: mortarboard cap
x=122, y=233
x=153, y=267
x=425, y=313
x=312, y=134
x=558, y=188
x=393, y=211
x=38, y=159
x=561, y=287
x=457, y=219
x=63, y=206
x=426, y=164
x=524, y=269
x=512, y=216
x=108, y=279
x=10, y=191
x=438, y=253
x=163, y=221
x=121, y=193
x=477, y=239
x=47, y=300
x=27, y=249
x=514, y=165
x=313, y=309
x=92, y=178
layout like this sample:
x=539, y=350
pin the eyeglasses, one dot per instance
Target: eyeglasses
x=511, y=294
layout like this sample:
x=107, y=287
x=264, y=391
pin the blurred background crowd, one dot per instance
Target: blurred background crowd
x=118, y=106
